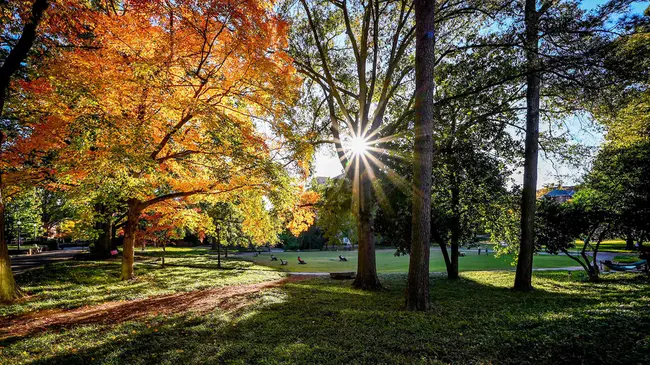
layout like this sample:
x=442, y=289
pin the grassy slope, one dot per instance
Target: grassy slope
x=475, y=320
x=327, y=261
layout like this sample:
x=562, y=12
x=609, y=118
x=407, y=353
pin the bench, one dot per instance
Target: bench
x=343, y=275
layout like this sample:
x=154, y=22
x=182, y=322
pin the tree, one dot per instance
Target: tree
x=563, y=45
x=358, y=84
x=587, y=216
x=162, y=104
x=10, y=65
x=417, y=295
x=621, y=173
x=523, y=276
x=335, y=214
x=23, y=215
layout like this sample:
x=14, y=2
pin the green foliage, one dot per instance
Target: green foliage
x=23, y=212
x=621, y=173
x=289, y=241
x=227, y=219
x=334, y=212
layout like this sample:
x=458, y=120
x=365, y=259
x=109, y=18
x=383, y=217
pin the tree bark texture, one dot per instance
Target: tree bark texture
x=524, y=274
x=417, y=293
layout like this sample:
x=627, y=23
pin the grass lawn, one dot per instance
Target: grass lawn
x=387, y=262
x=607, y=246
x=477, y=320
x=73, y=284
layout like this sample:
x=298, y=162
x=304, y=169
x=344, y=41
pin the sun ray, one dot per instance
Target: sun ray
x=379, y=191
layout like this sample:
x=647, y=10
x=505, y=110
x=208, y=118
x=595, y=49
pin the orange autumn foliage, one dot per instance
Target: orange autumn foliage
x=168, y=100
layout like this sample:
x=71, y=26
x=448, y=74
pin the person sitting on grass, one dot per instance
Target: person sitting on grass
x=282, y=262
x=301, y=261
x=273, y=258
x=341, y=258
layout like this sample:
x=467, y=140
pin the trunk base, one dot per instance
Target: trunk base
x=523, y=288
x=366, y=283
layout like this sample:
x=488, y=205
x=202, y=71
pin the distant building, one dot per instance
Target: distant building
x=322, y=180
x=561, y=194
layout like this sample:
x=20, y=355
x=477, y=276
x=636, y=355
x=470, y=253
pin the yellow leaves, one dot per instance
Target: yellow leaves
x=303, y=214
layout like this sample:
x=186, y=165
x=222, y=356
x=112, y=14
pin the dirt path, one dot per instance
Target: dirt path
x=202, y=301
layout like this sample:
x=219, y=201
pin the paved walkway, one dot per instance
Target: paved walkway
x=22, y=263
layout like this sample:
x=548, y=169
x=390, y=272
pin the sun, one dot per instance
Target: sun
x=358, y=145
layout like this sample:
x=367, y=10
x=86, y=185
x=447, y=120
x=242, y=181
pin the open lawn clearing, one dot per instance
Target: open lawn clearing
x=387, y=262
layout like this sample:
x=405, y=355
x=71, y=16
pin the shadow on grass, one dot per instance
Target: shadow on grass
x=74, y=284
x=477, y=319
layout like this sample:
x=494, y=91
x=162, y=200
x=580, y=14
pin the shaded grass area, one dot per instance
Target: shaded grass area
x=475, y=320
x=73, y=284
x=387, y=262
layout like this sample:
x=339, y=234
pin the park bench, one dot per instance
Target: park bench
x=282, y=262
x=342, y=275
x=342, y=258
x=301, y=261
x=273, y=258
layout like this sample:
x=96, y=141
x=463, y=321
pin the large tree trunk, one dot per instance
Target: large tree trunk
x=417, y=293
x=102, y=246
x=130, y=228
x=523, y=277
x=366, y=266
x=8, y=289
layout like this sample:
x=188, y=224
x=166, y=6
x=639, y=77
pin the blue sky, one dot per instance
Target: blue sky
x=580, y=128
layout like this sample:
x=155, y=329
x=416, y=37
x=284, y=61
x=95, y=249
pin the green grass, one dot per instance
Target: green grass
x=626, y=259
x=477, y=320
x=387, y=262
x=76, y=283
x=607, y=246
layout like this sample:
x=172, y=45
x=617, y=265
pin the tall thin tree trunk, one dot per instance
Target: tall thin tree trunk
x=452, y=273
x=417, y=293
x=366, y=266
x=130, y=228
x=218, y=248
x=164, y=249
x=445, y=256
x=523, y=277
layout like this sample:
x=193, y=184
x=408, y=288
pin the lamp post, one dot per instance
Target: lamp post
x=18, y=223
